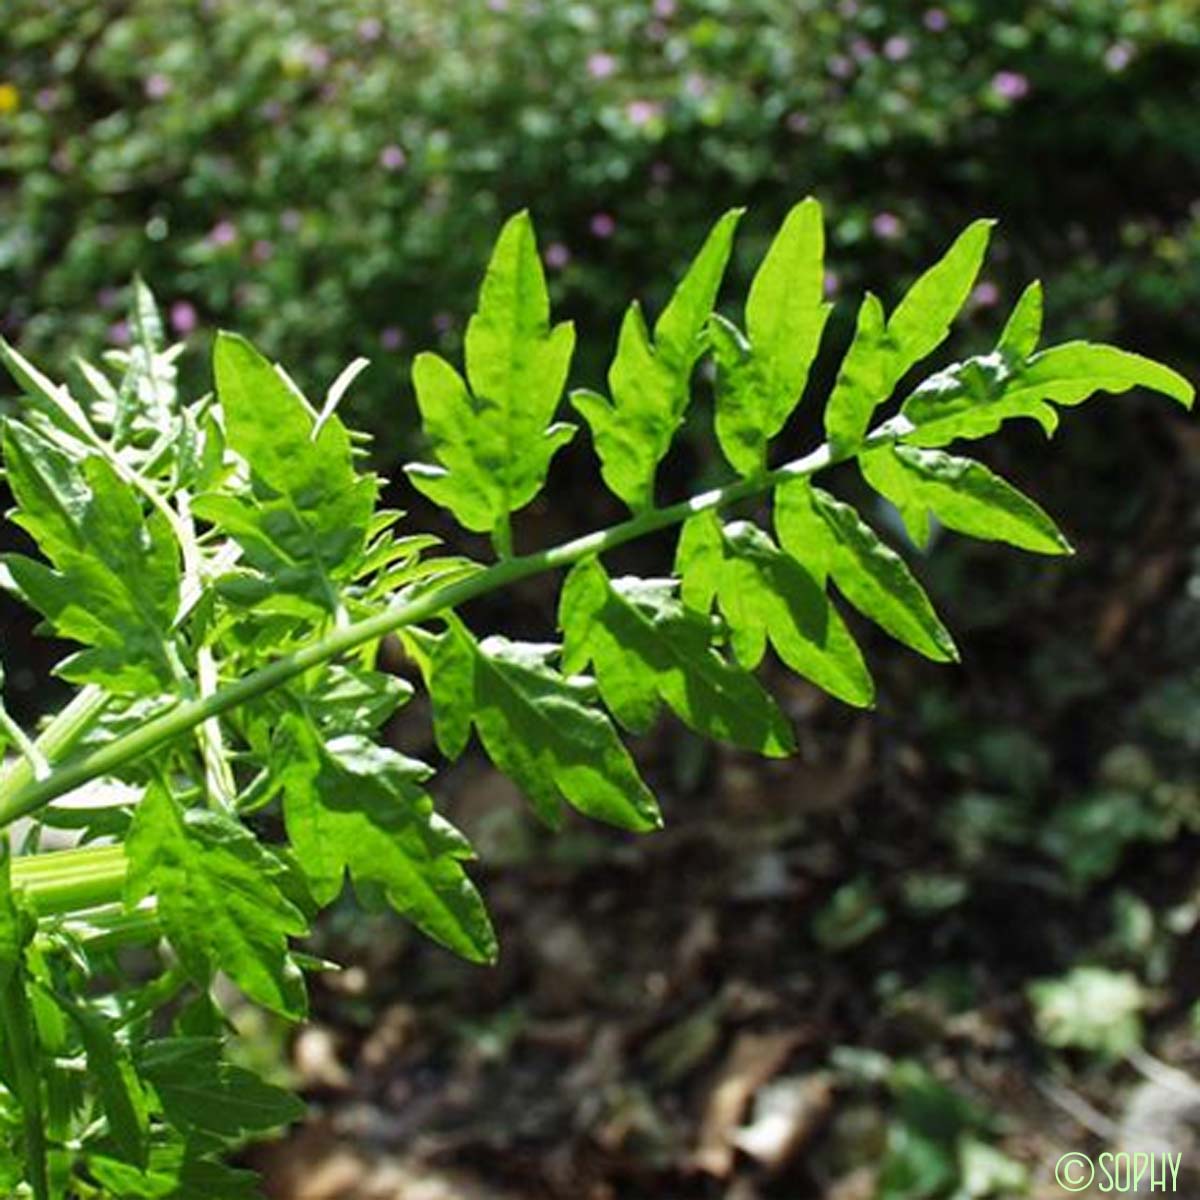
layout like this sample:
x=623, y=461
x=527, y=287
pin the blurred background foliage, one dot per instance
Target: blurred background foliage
x=328, y=176
x=987, y=884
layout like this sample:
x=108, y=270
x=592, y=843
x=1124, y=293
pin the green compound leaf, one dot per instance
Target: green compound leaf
x=761, y=376
x=963, y=494
x=884, y=350
x=122, y=1096
x=647, y=648
x=766, y=595
x=537, y=727
x=830, y=538
x=973, y=398
x=145, y=401
x=200, y=1092
x=218, y=899
x=649, y=379
x=302, y=523
x=352, y=805
x=494, y=442
x=115, y=582
x=174, y=1174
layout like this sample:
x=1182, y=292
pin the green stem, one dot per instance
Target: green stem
x=185, y=716
x=66, y=881
x=20, y=1049
x=59, y=737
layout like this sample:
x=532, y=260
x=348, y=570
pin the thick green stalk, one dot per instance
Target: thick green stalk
x=66, y=881
x=184, y=717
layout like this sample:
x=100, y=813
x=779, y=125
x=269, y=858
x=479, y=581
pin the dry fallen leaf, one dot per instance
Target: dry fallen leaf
x=753, y=1061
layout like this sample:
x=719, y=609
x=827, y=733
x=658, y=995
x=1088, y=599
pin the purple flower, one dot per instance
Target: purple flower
x=318, y=58
x=897, y=48
x=443, y=322
x=391, y=337
x=223, y=233
x=656, y=31
x=862, y=50
x=118, y=333
x=1010, y=85
x=665, y=9
x=832, y=283
x=290, y=219
x=183, y=317
x=642, y=112
x=848, y=9
x=985, y=294
x=839, y=66
x=157, y=86
x=602, y=225
x=696, y=85
x=108, y=297
x=556, y=256
x=370, y=29
x=498, y=6
x=886, y=225
x=46, y=99
x=601, y=64
x=1117, y=57
x=392, y=158
x=936, y=20
x=272, y=110
x=799, y=122
x=262, y=251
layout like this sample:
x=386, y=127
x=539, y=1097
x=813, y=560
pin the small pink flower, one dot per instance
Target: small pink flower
x=696, y=85
x=262, y=251
x=370, y=29
x=848, y=9
x=223, y=233
x=1010, y=85
x=290, y=219
x=602, y=225
x=832, y=283
x=665, y=9
x=391, y=337
x=318, y=58
x=158, y=86
x=897, y=48
x=392, y=158
x=862, y=50
x=839, y=66
x=443, y=322
x=936, y=20
x=272, y=110
x=118, y=333
x=601, y=64
x=985, y=294
x=799, y=122
x=556, y=256
x=108, y=297
x=642, y=112
x=46, y=99
x=183, y=317
x=886, y=225
x=1118, y=56
x=656, y=31
x=498, y=6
